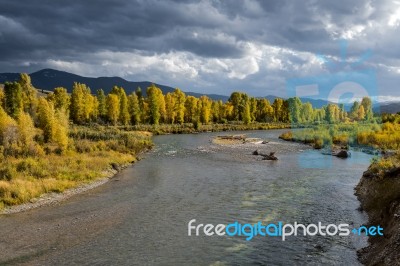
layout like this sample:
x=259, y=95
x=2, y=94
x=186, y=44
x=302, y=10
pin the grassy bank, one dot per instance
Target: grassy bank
x=196, y=128
x=93, y=152
x=373, y=135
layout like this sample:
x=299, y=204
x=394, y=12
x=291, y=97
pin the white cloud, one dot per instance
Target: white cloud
x=394, y=18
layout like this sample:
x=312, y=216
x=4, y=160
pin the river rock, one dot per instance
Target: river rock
x=343, y=154
x=270, y=157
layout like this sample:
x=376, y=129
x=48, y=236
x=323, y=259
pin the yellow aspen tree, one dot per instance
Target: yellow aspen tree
x=205, y=111
x=190, y=108
x=112, y=108
x=154, y=101
x=26, y=130
x=46, y=119
x=170, y=108
x=61, y=99
x=8, y=132
x=179, y=105
x=29, y=94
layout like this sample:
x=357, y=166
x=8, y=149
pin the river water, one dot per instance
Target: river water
x=141, y=216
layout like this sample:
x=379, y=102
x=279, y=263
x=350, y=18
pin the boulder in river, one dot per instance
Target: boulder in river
x=270, y=157
x=343, y=154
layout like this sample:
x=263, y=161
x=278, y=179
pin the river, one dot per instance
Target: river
x=141, y=216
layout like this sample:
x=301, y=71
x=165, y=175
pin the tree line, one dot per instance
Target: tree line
x=176, y=107
x=24, y=116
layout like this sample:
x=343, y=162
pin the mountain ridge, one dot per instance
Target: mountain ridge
x=48, y=79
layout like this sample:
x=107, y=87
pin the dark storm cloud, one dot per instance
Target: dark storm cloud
x=213, y=44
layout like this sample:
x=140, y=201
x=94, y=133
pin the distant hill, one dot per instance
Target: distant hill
x=389, y=108
x=316, y=103
x=48, y=79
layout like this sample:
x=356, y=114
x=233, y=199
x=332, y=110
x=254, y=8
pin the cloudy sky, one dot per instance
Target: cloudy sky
x=204, y=46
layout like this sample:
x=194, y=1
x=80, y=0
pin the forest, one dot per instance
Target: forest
x=52, y=142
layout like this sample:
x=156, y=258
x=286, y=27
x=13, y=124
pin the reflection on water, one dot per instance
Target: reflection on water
x=187, y=177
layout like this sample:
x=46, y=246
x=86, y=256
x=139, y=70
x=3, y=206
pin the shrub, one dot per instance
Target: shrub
x=7, y=173
x=286, y=136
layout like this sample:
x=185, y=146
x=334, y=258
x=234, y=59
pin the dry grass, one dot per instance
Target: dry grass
x=91, y=153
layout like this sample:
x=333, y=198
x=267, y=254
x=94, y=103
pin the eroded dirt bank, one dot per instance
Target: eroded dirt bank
x=380, y=199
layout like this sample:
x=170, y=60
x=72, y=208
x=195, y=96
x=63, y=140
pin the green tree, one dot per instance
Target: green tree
x=246, y=113
x=29, y=94
x=367, y=105
x=61, y=99
x=278, y=110
x=191, y=109
x=307, y=113
x=354, y=110
x=295, y=105
x=134, y=108
x=13, y=98
x=253, y=108
x=236, y=101
x=102, y=107
x=124, y=116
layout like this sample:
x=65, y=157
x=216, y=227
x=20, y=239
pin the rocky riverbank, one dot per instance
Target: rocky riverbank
x=379, y=194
